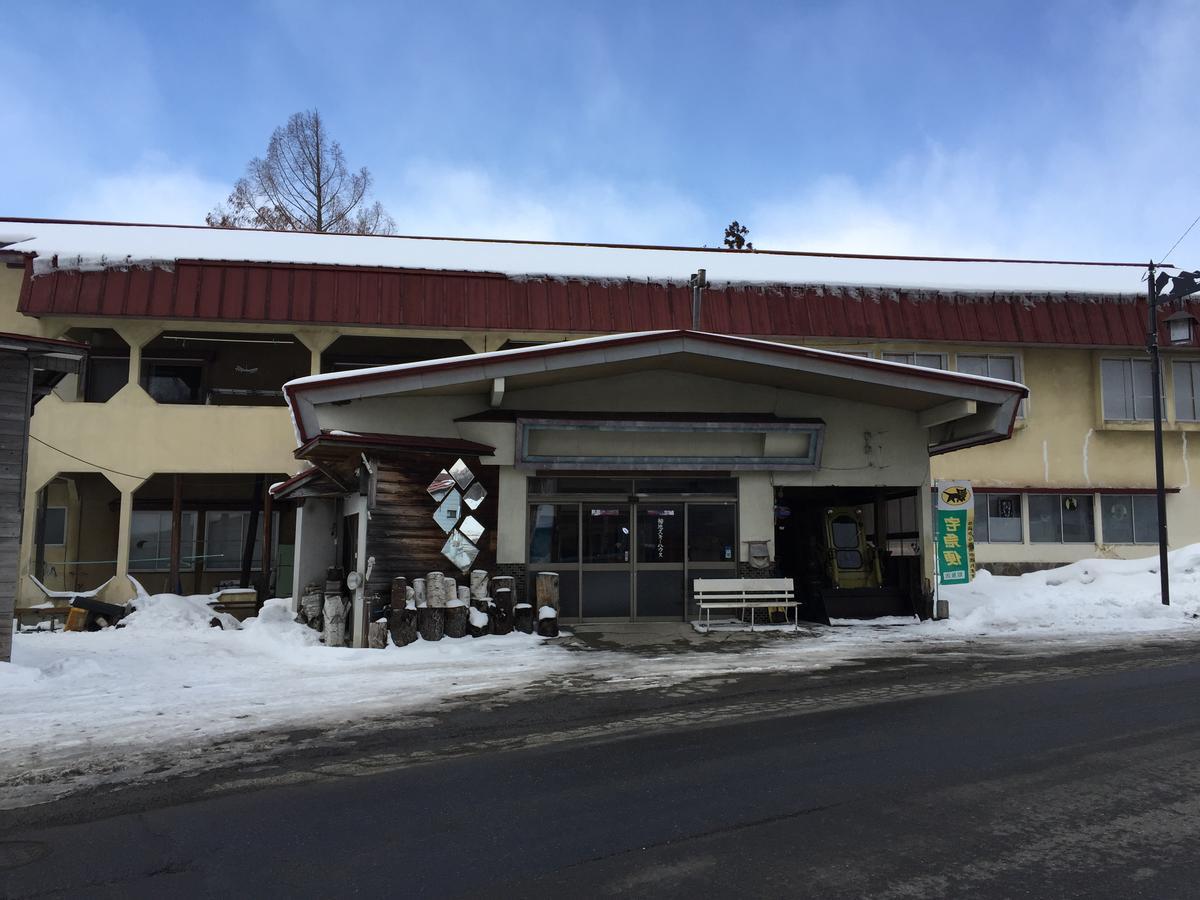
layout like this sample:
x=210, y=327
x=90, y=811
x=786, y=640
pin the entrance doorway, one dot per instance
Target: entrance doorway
x=632, y=555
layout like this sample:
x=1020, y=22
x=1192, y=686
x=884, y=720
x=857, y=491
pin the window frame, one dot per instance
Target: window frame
x=1061, y=498
x=255, y=559
x=1131, y=399
x=944, y=357
x=187, y=561
x=1021, y=517
x=1193, y=367
x=1018, y=372
x=1132, y=498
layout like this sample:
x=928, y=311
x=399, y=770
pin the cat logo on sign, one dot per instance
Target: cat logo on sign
x=956, y=496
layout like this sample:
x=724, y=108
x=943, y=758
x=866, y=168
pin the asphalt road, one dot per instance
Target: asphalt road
x=1065, y=777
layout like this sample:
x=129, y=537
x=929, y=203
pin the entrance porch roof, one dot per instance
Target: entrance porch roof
x=959, y=410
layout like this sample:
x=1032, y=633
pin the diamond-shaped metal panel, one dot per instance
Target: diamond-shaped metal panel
x=472, y=529
x=440, y=486
x=462, y=474
x=475, y=495
x=459, y=551
x=449, y=511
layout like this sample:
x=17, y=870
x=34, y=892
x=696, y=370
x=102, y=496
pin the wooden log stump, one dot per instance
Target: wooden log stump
x=464, y=595
x=479, y=584
x=431, y=622
x=403, y=625
x=547, y=590
x=377, y=635
x=434, y=586
x=418, y=589
x=399, y=592
x=502, y=618
x=334, y=615
x=449, y=590
x=478, y=622
x=547, y=624
x=312, y=602
x=457, y=619
x=523, y=618
x=504, y=582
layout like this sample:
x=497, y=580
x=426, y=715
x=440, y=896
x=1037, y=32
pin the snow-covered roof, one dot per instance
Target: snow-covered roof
x=89, y=246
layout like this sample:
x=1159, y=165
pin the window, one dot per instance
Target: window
x=1187, y=390
x=998, y=518
x=150, y=542
x=903, y=532
x=554, y=533
x=173, y=381
x=54, y=526
x=1129, y=518
x=991, y=366
x=928, y=360
x=105, y=375
x=1127, y=388
x=225, y=539
x=1061, y=519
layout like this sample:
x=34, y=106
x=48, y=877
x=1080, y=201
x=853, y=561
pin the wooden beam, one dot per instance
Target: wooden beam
x=497, y=391
x=946, y=412
x=176, y=531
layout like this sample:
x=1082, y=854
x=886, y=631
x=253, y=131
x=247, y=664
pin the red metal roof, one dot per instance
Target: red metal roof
x=296, y=294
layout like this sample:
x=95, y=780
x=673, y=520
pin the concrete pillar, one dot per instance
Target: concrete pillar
x=317, y=343
x=125, y=534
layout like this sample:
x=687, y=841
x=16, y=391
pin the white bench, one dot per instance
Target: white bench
x=745, y=593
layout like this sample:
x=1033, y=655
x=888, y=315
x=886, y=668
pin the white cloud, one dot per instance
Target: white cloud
x=153, y=191
x=438, y=199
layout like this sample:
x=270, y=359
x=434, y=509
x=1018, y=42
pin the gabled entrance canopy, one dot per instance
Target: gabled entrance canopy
x=958, y=410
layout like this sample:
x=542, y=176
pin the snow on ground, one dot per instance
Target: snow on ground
x=1087, y=597
x=168, y=694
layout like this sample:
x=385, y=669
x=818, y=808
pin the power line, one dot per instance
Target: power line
x=86, y=462
x=1181, y=237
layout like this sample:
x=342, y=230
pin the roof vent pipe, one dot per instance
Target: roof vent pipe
x=698, y=283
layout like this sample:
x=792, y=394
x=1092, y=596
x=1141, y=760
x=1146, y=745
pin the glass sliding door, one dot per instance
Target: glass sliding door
x=554, y=547
x=607, y=591
x=659, y=565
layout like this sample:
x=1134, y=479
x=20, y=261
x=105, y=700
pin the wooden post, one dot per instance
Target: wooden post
x=399, y=592
x=431, y=622
x=268, y=537
x=251, y=531
x=201, y=543
x=502, y=615
x=435, y=590
x=176, y=532
x=479, y=584
x=547, y=590
x=377, y=635
x=457, y=619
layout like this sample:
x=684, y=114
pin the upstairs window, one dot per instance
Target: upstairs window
x=1127, y=387
x=991, y=365
x=1187, y=390
x=927, y=360
x=174, y=381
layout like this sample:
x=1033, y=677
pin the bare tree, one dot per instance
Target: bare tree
x=303, y=185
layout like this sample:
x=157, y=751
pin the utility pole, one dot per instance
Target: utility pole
x=1160, y=479
x=698, y=283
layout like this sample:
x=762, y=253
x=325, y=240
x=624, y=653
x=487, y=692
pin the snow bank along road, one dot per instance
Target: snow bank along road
x=947, y=774
x=169, y=695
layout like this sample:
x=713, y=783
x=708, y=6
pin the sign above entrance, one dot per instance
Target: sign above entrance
x=955, y=531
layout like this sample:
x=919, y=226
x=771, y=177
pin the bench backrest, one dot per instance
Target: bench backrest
x=743, y=588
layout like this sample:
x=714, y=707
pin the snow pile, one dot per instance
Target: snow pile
x=547, y=612
x=479, y=619
x=1090, y=596
x=173, y=612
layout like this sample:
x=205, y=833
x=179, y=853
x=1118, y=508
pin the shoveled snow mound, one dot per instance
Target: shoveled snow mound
x=1090, y=596
x=172, y=612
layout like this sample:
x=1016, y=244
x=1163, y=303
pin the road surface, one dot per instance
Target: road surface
x=1068, y=776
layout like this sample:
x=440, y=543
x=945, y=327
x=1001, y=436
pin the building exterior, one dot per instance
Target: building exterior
x=192, y=331
x=630, y=465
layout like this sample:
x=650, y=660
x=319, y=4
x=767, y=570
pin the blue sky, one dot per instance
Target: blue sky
x=1023, y=128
